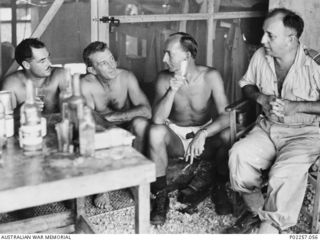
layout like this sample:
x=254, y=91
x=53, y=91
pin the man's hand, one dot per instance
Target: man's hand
x=40, y=103
x=281, y=107
x=196, y=146
x=176, y=82
x=265, y=101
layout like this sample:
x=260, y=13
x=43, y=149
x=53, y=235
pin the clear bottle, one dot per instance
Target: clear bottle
x=74, y=108
x=87, y=129
x=66, y=90
x=30, y=133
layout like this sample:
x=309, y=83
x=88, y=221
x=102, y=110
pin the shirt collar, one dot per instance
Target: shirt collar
x=300, y=59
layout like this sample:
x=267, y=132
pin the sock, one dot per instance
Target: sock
x=159, y=184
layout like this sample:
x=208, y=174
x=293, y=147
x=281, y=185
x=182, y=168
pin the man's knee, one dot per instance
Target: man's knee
x=243, y=176
x=157, y=134
x=139, y=125
x=224, y=135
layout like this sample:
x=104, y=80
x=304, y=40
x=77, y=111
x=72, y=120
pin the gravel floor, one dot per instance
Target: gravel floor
x=121, y=219
x=205, y=221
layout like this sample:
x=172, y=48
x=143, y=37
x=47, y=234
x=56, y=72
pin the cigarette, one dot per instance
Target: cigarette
x=186, y=167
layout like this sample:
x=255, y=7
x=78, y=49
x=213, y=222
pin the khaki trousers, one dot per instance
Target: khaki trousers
x=288, y=151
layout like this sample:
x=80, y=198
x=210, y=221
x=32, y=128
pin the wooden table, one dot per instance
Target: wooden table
x=29, y=181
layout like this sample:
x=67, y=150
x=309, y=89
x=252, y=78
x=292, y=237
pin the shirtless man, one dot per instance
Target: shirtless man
x=186, y=97
x=115, y=95
x=33, y=56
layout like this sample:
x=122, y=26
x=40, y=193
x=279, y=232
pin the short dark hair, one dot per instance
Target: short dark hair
x=290, y=19
x=92, y=48
x=187, y=42
x=23, y=51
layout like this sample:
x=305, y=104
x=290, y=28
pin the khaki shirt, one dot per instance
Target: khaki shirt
x=302, y=82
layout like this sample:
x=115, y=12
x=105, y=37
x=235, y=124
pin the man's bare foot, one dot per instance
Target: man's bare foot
x=102, y=201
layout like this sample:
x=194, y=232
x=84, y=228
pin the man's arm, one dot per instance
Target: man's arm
x=221, y=101
x=283, y=107
x=166, y=88
x=11, y=83
x=86, y=92
x=266, y=101
x=140, y=108
x=196, y=147
x=280, y=107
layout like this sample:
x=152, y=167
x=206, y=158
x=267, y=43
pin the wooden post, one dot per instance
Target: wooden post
x=0, y=49
x=210, y=32
x=41, y=27
x=94, y=24
x=14, y=23
x=183, y=24
x=81, y=221
x=216, y=9
x=103, y=28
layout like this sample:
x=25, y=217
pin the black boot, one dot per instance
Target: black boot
x=160, y=208
x=198, y=189
x=160, y=203
x=220, y=199
x=247, y=223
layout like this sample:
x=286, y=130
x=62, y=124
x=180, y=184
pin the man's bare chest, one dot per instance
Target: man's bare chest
x=281, y=74
x=114, y=99
x=192, y=98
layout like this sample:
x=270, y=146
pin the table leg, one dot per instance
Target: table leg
x=142, y=208
x=83, y=225
x=80, y=206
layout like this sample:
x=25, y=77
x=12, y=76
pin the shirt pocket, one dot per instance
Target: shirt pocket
x=305, y=89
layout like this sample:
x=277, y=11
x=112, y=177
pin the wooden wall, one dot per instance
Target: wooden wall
x=69, y=32
x=309, y=10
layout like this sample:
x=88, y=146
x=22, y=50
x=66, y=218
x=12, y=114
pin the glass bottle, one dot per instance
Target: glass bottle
x=74, y=108
x=65, y=91
x=87, y=129
x=30, y=133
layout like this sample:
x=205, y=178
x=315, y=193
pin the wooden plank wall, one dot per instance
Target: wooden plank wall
x=309, y=11
x=69, y=32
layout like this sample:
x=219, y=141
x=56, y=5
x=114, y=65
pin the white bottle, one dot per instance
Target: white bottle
x=30, y=133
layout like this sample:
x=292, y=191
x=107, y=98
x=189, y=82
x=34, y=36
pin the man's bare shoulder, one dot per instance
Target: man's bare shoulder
x=164, y=76
x=126, y=75
x=89, y=80
x=13, y=80
x=57, y=74
x=211, y=75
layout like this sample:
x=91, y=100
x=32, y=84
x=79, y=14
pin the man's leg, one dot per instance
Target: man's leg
x=247, y=158
x=162, y=143
x=288, y=175
x=139, y=126
x=206, y=173
x=219, y=197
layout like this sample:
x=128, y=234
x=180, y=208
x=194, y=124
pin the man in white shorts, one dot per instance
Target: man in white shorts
x=188, y=121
